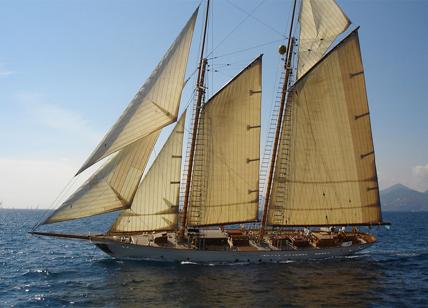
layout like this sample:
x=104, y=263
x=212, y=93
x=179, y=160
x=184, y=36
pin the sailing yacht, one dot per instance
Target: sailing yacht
x=320, y=182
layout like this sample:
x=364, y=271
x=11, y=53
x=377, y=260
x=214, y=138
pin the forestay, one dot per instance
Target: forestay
x=112, y=187
x=156, y=103
x=321, y=21
x=226, y=163
x=325, y=172
x=155, y=206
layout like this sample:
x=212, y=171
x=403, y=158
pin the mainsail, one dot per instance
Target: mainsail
x=155, y=206
x=112, y=187
x=321, y=21
x=326, y=173
x=226, y=169
x=156, y=103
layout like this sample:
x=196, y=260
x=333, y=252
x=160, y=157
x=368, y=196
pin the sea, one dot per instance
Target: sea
x=47, y=272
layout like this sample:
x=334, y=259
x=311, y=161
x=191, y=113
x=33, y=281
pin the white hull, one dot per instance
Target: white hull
x=160, y=254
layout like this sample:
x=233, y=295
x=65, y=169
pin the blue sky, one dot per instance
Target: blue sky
x=69, y=68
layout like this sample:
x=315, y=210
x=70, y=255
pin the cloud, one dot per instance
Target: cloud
x=420, y=171
x=26, y=183
x=57, y=117
x=30, y=183
x=5, y=71
x=420, y=174
x=35, y=177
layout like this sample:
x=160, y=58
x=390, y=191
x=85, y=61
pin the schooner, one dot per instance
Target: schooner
x=321, y=181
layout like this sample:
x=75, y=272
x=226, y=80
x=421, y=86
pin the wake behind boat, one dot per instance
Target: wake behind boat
x=318, y=177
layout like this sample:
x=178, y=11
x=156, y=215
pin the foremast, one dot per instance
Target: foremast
x=200, y=89
x=287, y=71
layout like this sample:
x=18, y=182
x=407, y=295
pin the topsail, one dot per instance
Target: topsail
x=321, y=21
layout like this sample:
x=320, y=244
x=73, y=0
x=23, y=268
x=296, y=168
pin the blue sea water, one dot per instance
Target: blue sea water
x=44, y=272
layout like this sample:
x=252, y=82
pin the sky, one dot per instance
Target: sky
x=69, y=68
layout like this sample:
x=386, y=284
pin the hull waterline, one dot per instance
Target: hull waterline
x=127, y=251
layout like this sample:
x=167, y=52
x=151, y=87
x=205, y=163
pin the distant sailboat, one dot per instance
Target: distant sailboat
x=321, y=174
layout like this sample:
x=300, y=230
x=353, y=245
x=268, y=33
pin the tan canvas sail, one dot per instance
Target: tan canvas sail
x=156, y=103
x=325, y=172
x=112, y=187
x=321, y=21
x=226, y=169
x=155, y=206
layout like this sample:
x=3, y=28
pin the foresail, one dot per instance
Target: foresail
x=321, y=21
x=155, y=206
x=156, y=103
x=226, y=163
x=325, y=172
x=112, y=187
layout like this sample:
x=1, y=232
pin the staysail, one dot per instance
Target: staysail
x=226, y=163
x=321, y=21
x=112, y=187
x=156, y=103
x=326, y=173
x=155, y=206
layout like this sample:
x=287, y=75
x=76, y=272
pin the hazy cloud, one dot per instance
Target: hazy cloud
x=4, y=71
x=26, y=183
x=30, y=183
x=420, y=170
x=57, y=117
x=420, y=173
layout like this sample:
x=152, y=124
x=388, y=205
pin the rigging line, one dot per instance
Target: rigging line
x=232, y=65
x=255, y=18
x=245, y=49
x=276, y=85
x=226, y=75
x=218, y=66
x=191, y=99
x=228, y=64
x=48, y=210
x=236, y=27
x=190, y=77
x=210, y=89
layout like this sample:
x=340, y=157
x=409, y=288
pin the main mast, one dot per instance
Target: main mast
x=288, y=69
x=200, y=94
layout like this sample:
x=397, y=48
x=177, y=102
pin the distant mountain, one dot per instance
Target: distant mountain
x=402, y=198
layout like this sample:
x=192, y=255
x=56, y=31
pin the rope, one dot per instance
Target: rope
x=236, y=27
x=71, y=186
x=245, y=49
x=257, y=19
x=190, y=77
x=54, y=203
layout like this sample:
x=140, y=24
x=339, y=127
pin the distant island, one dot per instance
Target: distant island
x=400, y=198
